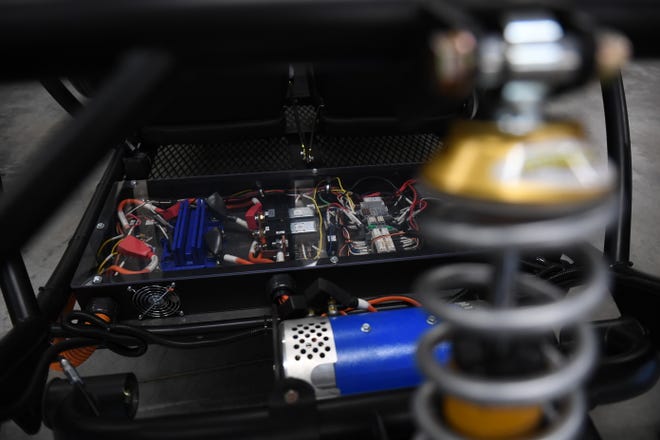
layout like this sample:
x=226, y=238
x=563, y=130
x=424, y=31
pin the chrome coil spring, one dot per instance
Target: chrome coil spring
x=563, y=376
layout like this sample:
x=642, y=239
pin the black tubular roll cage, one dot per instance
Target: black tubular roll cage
x=54, y=39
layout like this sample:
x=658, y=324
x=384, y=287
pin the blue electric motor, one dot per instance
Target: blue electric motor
x=358, y=353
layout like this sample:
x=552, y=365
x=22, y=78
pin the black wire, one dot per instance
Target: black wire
x=122, y=339
x=568, y=278
x=383, y=179
x=550, y=270
x=459, y=295
x=41, y=373
x=132, y=341
x=532, y=265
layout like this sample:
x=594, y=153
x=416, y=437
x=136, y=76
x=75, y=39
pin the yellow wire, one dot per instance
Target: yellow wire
x=240, y=192
x=348, y=196
x=106, y=261
x=105, y=243
x=318, y=211
x=341, y=187
x=114, y=248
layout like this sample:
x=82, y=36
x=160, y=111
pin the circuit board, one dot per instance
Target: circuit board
x=310, y=221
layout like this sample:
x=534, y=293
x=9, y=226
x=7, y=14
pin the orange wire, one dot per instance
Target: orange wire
x=77, y=356
x=405, y=299
x=258, y=259
x=125, y=271
x=383, y=299
x=243, y=261
x=341, y=312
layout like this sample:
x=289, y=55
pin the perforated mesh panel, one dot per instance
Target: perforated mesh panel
x=311, y=340
x=306, y=116
x=339, y=151
x=181, y=160
x=307, y=344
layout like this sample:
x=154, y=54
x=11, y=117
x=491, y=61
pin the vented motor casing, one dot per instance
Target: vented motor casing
x=358, y=353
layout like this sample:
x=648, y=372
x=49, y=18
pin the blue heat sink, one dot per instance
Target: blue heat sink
x=188, y=250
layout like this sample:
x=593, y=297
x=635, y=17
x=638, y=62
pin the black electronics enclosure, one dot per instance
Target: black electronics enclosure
x=237, y=292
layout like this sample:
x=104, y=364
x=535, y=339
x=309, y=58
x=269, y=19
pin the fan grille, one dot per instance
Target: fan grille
x=156, y=301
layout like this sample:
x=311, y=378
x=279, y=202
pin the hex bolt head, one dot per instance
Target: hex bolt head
x=366, y=328
x=97, y=279
x=291, y=396
x=613, y=51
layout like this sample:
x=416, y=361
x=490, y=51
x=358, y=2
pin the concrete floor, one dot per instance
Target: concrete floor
x=28, y=115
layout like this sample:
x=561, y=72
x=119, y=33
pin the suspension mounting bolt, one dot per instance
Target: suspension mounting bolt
x=291, y=396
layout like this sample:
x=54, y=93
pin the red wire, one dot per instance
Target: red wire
x=245, y=204
x=138, y=222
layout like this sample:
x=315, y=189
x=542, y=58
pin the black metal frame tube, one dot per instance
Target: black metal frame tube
x=61, y=94
x=56, y=169
x=39, y=36
x=53, y=296
x=617, y=236
x=349, y=417
x=56, y=40
x=16, y=287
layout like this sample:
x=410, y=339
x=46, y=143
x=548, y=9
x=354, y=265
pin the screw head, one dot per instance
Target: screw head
x=97, y=279
x=366, y=328
x=334, y=259
x=291, y=396
x=100, y=225
x=133, y=183
x=613, y=51
x=431, y=320
x=455, y=53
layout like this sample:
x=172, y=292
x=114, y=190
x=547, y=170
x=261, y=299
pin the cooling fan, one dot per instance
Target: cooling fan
x=156, y=301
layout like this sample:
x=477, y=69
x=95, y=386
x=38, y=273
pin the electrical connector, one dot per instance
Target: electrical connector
x=134, y=247
x=171, y=212
x=251, y=216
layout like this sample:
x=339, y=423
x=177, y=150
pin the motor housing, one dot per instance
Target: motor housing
x=357, y=353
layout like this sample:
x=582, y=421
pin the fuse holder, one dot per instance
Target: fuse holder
x=251, y=216
x=134, y=247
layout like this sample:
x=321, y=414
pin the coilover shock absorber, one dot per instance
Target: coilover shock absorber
x=505, y=369
x=509, y=187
